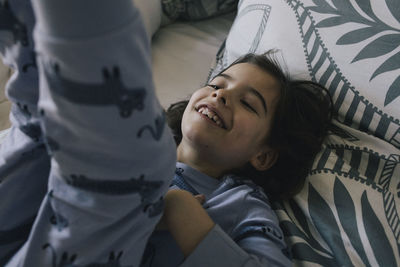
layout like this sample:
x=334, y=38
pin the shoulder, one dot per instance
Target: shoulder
x=244, y=199
x=246, y=189
x=257, y=227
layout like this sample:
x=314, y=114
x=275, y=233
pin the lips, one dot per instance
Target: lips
x=212, y=114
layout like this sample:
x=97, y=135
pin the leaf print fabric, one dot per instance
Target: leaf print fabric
x=347, y=214
x=350, y=47
x=381, y=37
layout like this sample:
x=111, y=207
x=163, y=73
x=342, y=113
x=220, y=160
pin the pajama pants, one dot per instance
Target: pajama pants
x=89, y=157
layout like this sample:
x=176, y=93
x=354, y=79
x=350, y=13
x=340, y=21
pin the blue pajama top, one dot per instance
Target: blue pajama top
x=247, y=230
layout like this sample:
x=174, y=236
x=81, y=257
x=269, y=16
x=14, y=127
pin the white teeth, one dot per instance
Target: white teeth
x=211, y=115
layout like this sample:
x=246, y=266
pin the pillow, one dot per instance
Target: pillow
x=347, y=213
x=350, y=47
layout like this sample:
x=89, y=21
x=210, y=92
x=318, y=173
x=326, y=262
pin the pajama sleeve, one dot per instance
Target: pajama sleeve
x=24, y=162
x=112, y=155
x=248, y=233
x=218, y=249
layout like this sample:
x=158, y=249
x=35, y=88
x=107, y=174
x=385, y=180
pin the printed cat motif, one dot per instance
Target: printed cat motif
x=9, y=22
x=110, y=92
x=67, y=260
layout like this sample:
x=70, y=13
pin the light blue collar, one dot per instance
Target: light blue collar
x=201, y=182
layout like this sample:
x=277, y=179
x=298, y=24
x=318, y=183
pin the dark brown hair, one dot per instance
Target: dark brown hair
x=302, y=118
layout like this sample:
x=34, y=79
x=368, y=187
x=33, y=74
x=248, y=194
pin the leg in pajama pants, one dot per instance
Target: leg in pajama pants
x=24, y=162
x=111, y=155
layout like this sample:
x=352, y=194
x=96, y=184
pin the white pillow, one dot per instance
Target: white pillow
x=351, y=47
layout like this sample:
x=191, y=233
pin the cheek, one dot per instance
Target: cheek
x=191, y=130
x=185, y=126
x=199, y=94
x=250, y=133
x=248, y=128
x=189, y=126
x=186, y=122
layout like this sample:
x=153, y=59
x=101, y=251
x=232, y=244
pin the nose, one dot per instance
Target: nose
x=221, y=95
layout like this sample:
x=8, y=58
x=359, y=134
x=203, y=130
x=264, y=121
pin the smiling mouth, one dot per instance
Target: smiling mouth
x=212, y=116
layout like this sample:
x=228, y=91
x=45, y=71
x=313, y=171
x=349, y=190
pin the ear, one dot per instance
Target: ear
x=264, y=159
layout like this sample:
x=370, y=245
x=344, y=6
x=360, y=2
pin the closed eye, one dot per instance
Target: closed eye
x=248, y=106
x=216, y=87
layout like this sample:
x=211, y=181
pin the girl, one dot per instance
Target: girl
x=254, y=122
x=89, y=143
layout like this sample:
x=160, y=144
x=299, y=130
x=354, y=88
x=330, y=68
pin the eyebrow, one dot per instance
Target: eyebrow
x=251, y=90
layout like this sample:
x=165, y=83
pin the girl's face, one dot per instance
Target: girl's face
x=226, y=123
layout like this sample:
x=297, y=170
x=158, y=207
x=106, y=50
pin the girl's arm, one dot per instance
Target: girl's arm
x=186, y=220
x=204, y=243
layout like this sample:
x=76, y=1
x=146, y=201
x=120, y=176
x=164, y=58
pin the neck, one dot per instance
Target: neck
x=196, y=160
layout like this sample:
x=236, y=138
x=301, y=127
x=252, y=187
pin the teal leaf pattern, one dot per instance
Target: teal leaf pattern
x=390, y=64
x=378, y=47
x=300, y=216
x=291, y=229
x=344, y=11
x=394, y=8
x=376, y=235
x=336, y=130
x=306, y=253
x=348, y=12
x=323, y=7
x=357, y=36
x=347, y=215
x=341, y=5
x=330, y=22
x=393, y=92
x=302, y=220
x=324, y=220
x=366, y=7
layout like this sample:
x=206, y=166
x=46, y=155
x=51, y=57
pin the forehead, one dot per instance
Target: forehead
x=247, y=74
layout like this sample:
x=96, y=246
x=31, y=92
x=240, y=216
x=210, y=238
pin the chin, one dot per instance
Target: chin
x=197, y=140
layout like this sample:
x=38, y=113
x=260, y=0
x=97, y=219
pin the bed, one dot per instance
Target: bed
x=347, y=213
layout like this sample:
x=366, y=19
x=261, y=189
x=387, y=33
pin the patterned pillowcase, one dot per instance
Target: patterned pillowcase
x=348, y=212
x=350, y=47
